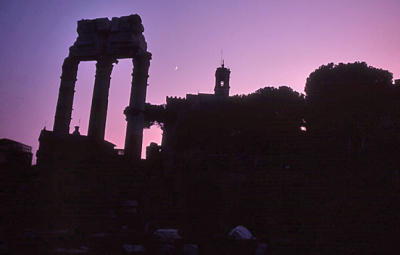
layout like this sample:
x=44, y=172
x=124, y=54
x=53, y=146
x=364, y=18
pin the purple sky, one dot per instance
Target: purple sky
x=265, y=43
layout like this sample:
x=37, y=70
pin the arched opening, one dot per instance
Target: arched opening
x=152, y=134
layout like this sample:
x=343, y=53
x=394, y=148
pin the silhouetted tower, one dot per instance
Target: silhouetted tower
x=222, y=81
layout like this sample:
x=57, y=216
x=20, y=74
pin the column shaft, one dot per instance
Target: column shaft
x=62, y=118
x=98, y=111
x=135, y=111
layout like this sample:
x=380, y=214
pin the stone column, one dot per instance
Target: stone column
x=98, y=111
x=65, y=96
x=135, y=111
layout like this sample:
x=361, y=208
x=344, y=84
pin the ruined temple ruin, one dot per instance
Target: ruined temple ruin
x=233, y=175
x=104, y=41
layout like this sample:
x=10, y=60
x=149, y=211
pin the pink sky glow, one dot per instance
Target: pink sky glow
x=264, y=43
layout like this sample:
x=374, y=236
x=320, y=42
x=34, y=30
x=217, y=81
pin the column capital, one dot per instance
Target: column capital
x=104, y=66
x=69, y=69
x=107, y=59
x=72, y=60
x=143, y=55
x=105, y=62
x=141, y=63
x=131, y=112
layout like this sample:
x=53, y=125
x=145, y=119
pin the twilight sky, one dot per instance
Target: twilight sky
x=264, y=43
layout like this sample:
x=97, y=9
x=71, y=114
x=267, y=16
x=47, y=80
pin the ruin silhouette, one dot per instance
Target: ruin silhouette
x=271, y=172
x=106, y=41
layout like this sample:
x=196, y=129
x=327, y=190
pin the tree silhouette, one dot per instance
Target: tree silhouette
x=347, y=101
x=238, y=123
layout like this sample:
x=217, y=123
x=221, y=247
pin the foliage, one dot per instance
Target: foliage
x=344, y=97
x=239, y=123
x=343, y=80
x=343, y=102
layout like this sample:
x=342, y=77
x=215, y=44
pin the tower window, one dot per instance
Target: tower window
x=221, y=83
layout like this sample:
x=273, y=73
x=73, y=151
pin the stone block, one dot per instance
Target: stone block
x=121, y=37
